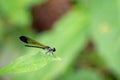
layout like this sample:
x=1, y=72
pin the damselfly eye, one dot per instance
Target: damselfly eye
x=54, y=49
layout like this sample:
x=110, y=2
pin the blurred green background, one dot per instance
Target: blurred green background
x=85, y=34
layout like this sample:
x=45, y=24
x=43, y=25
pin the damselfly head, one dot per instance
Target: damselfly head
x=53, y=49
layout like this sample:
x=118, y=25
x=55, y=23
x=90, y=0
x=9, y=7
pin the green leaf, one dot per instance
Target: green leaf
x=69, y=37
x=105, y=31
x=28, y=63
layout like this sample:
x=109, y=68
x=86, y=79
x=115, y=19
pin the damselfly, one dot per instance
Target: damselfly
x=35, y=44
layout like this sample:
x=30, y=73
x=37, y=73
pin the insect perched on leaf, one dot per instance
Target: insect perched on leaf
x=35, y=44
